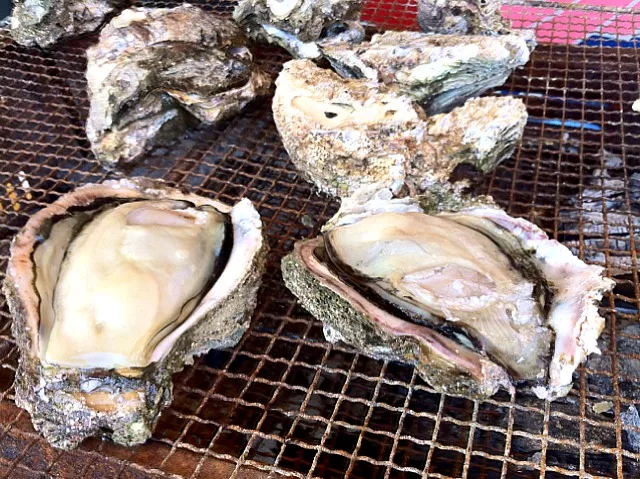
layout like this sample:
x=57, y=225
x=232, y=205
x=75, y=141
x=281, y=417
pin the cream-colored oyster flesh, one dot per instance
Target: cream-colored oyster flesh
x=343, y=134
x=438, y=71
x=425, y=265
x=156, y=72
x=448, y=284
x=112, y=309
x=300, y=26
x=348, y=316
x=115, y=287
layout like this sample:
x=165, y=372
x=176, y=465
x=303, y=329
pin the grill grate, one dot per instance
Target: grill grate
x=286, y=403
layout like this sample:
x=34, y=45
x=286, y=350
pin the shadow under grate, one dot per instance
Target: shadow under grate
x=284, y=402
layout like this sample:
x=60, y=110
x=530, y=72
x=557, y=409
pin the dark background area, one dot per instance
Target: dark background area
x=5, y=8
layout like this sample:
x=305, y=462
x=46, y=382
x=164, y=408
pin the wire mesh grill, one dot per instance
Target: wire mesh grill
x=286, y=403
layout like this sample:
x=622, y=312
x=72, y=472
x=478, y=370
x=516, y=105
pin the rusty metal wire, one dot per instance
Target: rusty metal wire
x=284, y=403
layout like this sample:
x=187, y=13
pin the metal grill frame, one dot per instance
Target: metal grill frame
x=284, y=403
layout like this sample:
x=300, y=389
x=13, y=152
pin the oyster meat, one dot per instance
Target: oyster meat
x=346, y=133
x=476, y=299
x=462, y=17
x=438, y=71
x=300, y=26
x=150, y=78
x=44, y=22
x=115, y=287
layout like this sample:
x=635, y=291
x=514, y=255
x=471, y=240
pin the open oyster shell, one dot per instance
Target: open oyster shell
x=300, y=26
x=438, y=71
x=44, y=22
x=476, y=299
x=115, y=287
x=343, y=134
x=155, y=72
x=462, y=17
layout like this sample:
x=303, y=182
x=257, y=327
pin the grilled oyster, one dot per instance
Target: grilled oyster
x=343, y=134
x=100, y=334
x=300, y=26
x=462, y=17
x=472, y=297
x=438, y=71
x=150, y=77
x=44, y=22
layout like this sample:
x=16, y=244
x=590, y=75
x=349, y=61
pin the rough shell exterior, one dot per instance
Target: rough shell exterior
x=347, y=316
x=461, y=17
x=44, y=22
x=68, y=405
x=347, y=321
x=402, y=149
x=150, y=78
x=438, y=71
x=306, y=19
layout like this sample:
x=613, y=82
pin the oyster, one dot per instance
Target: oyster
x=150, y=78
x=101, y=334
x=300, y=26
x=476, y=299
x=343, y=133
x=461, y=17
x=438, y=71
x=44, y=22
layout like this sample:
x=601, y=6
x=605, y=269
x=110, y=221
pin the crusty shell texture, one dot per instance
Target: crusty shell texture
x=68, y=405
x=345, y=134
x=573, y=314
x=45, y=22
x=348, y=322
x=149, y=79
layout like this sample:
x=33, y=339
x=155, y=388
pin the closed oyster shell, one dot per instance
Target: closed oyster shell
x=45, y=22
x=438, y=71
x=448, y=351
x=69, y=403
x=462, y=17
x=343, y=134
x=150, y=78
x=300, y=26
